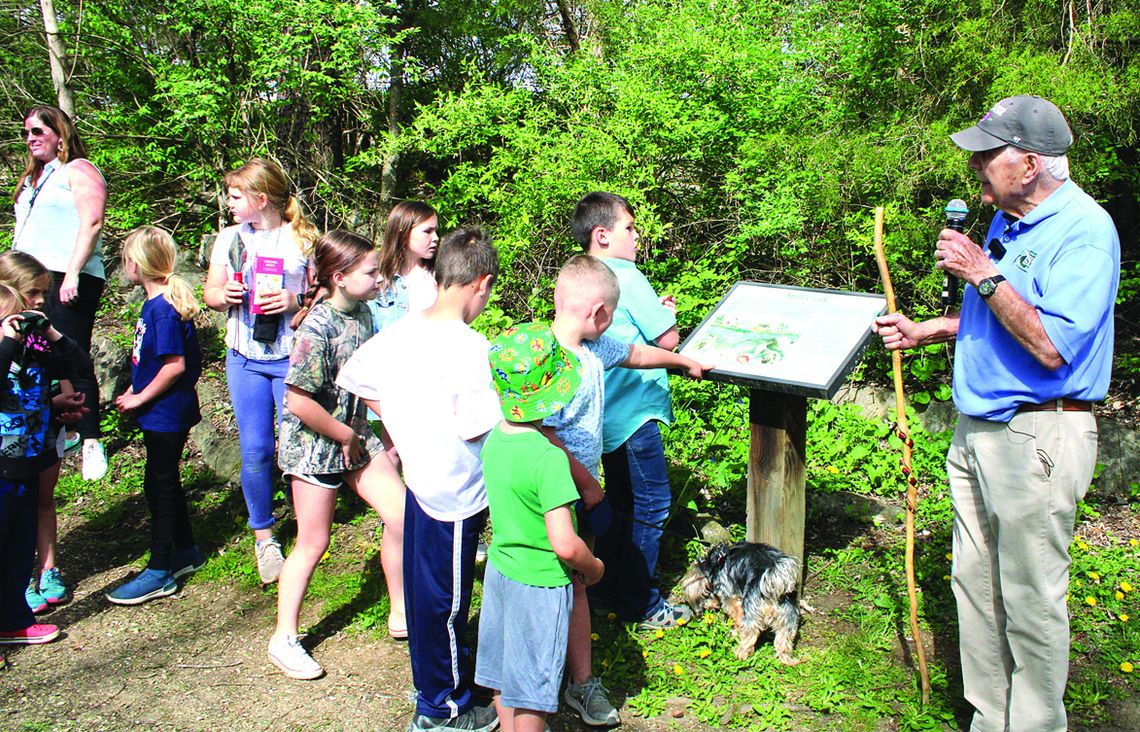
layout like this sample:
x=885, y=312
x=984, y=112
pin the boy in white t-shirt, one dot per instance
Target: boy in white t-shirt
x=428, y=378
x=585, y=297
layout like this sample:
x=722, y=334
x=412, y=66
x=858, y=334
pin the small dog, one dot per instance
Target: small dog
x=756, y=585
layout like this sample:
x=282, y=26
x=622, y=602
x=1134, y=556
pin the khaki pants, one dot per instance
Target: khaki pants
x=1015, y=488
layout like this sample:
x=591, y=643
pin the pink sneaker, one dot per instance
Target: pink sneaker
x=31, y=635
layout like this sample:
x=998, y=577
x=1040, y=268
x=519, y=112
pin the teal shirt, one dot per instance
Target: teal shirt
x=635, y=396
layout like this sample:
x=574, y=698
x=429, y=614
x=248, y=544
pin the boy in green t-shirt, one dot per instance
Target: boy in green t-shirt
x=527, y=595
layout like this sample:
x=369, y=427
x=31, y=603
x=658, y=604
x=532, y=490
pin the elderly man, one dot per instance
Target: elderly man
x=1033, y=352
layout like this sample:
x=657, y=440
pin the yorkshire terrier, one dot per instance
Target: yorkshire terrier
x=756, y=585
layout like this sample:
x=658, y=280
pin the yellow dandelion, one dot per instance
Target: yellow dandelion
x=679, y=670
x=1076, y=583
x=1066, y=597
x=833, y=470
x=681, y=622
x=1125, y=586
x=946, y=578
x=1082, y=545
x=611, y=616
x=658, y=633
x=1123, y=617
x=595, y=637
x=705, y=653
x=709, y=619
x=1133, y=542
x=645, y=654
x=1126, y=667
x=950, y=556
x=1119, y=595
x=605, y=662
x=1094, y=576
x=1090, y=601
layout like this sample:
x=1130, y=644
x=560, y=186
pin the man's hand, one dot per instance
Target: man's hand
x=960, y=256
x=897, y=331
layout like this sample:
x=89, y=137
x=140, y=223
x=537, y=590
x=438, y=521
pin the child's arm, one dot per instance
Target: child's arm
x=588, y=486
x=651, y=357
x=172, y=369
x=569, y=547
x=316, y=418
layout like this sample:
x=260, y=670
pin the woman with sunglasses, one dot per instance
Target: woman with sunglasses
x=59, y=203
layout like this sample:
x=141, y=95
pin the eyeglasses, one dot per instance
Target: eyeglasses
x=36, y=132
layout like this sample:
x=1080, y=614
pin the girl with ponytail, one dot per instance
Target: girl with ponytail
x=165, y=365
x=326, y=441
x=258, y=273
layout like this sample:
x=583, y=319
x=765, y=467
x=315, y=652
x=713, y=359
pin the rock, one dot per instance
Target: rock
x=219, y=446
x=713, y=533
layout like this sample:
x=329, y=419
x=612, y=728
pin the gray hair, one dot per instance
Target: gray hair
x=1056, y=166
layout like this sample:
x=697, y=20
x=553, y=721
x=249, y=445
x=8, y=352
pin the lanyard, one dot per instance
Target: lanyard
x=32, y=202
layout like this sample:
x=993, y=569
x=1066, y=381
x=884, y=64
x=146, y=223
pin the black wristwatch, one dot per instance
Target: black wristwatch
x=989, y=286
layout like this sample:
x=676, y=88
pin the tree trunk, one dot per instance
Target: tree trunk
x=391, y=156
x=58, y=58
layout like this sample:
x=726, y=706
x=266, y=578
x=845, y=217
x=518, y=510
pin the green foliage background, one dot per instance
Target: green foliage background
x=754, y=138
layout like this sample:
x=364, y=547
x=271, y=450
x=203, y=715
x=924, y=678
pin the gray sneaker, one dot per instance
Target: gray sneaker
x=475, y=719
x=269, y=560
x=589, y=700
x=669, y=616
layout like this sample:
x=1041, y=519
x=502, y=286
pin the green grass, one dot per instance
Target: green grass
x=855, y=671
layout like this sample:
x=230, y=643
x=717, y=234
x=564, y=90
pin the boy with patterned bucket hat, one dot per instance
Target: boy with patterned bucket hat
x=527, y=595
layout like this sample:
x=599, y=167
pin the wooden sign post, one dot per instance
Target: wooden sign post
x=777, y=457
x=786, y=344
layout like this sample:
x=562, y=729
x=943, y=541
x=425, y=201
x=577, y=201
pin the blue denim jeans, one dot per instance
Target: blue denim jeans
x=637, y=485
x=257, y=388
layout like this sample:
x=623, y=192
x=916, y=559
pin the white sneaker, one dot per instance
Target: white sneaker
x=270, y=560
x=287, y=654
x=589, y=700
x=94, y=461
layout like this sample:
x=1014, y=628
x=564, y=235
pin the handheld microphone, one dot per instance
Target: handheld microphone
x=955, y=217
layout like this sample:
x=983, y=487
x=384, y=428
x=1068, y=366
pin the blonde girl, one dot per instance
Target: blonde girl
x=165, y=365
x=270, y=233
x=326, y=440
x=24, y=274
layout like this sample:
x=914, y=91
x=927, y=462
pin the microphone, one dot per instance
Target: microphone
x=955, y=216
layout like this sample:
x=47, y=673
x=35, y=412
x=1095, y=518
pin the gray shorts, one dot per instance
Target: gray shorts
x=522, y=641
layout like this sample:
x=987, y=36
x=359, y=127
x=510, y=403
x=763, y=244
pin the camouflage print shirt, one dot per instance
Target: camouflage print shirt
x=321, y=345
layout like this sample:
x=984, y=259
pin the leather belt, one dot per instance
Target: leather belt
x=1058, y=405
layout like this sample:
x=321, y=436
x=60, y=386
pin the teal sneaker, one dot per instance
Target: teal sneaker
x=186, y=561
x=35, y=600
x=51, y=586
x=150, y=583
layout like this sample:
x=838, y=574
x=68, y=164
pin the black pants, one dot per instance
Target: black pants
x=17, y=550
x=169, y=517
x=76, y=321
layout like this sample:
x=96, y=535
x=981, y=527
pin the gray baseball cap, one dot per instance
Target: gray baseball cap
x=1027, y=122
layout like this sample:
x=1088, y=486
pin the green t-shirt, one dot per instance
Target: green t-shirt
x=525, y=476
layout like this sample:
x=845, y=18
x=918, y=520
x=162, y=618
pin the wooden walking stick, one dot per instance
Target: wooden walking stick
x=907, y=470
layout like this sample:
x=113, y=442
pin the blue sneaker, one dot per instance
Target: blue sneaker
x=35, y=600
x=51, y=586
x=186, y=561
x=150, y=583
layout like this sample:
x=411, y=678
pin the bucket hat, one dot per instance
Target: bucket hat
x=534, y=375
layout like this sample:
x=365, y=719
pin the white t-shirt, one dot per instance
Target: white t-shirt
x=421, y=289
x=279, y=243
x=433, y=382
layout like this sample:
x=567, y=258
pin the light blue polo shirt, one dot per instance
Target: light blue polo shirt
x=1064, y=260
x=635, y=396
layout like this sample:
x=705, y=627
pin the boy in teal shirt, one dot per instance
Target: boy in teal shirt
x=637, y=401
x=527, y=596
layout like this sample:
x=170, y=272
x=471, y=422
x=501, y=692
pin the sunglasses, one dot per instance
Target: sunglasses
x=36, y=132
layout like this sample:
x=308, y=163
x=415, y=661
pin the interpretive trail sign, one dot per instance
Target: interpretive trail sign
x=786, y=344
